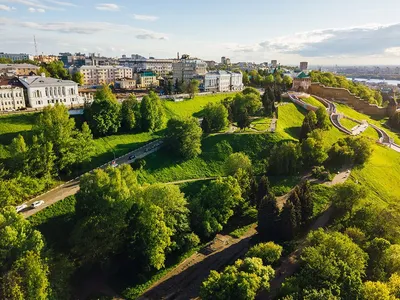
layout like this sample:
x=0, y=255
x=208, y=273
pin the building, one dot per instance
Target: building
x=42, y=91
x=274, y=63
x=188, y=69
x=301, y=82
x=16, y=57
x=303, y=65
x=45, y=58
x=77, y=59
x=139, y=63
x=210, y=64
x=223, y=59
x=125, y=83
x=97, y=60
x=18, y=69
x=223, y=81
x=98, y=75
x=11, y=94
x=147, y=79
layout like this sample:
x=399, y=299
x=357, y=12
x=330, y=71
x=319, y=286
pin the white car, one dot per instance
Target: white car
x=37, y=203
x=114, y=164
x=21, y=207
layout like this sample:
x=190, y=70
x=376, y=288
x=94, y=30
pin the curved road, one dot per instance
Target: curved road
x=72, y=187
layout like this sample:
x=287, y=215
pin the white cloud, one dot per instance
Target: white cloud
x=62, y=3
x=393, y=51
x=6, y=8
x=34, y=3
x=34, y=10
x=108, y=7
x=151, y=36
x=145, y=17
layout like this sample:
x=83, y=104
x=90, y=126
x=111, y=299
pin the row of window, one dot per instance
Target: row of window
x=40, y=102
x=10, y=95
x=11, y=102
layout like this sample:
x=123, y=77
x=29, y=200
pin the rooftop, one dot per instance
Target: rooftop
x=302, y=75
x=39, y=81
x=24, y=66
x=104, y=67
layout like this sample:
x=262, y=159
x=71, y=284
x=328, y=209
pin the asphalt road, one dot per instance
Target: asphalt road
x=72, y=187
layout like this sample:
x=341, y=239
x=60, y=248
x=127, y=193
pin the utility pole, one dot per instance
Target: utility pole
x=34, y=41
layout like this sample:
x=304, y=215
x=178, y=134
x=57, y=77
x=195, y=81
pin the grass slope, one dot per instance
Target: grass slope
x=349, y=124
x=290, y=119
x=311, y=100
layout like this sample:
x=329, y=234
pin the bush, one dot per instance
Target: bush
x=269, y=252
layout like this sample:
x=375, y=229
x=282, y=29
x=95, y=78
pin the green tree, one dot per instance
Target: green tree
x=376, y=264
x=268, y=218
x=151, y=112
x=313, y=152
x=184, y=137
x=269, y=252
x=104, y=114
x=56, y=69
x=216, y=116
x=246, y=80
x=214, y=205
x=241, y=281
x=243, y=119
x=284, y=159
x=323, y=121
x=128, y=117
x=287, y=82
x=268, y=103
x=288, y=221
x=223, y=150
x=347, y=195
x=18, y=150
x=78, y=78
x=309, y=124
x=269, y=80
x=251, y=90
x=192, y=88
x=392, y=259
x=375, y=291
x=250, y=102
x=306, y=200
x=237, y=161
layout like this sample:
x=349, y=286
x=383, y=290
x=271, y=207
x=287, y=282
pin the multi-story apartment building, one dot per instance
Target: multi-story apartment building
x=139, y=63
x=147, y=79
x=97, y=75
x=18, y=69
x=46, y=58
x=11, y=94
x=77, y=59
x=223, y=81
x=41, y=91
x=187, y=69
x=15, y=57
x=125, y=83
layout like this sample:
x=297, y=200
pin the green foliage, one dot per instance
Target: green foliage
x=268, y=218
x=392, y=259
x=78, y=78
x=55, y=69
x=241, y=281
x=237, y=161
x=223, y=150
x=376, y=290
x=376, y=265
x=268, y=101
x=394, y=120
x=310, y=123
x=347, y=196
x=321, y=173
x=215, y=117
x=151, y=112
x=192, y=88
x=313, y=151
x=323, y=121
x=214, y=205
x=129, y=113
x=269, y=252
x=184, y=137
x=284, y=159
x=350, y=150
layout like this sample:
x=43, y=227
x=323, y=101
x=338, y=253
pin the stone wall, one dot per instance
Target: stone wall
x=345, y=96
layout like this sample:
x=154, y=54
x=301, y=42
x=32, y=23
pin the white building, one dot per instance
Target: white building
x=187, y=69
x=43, y=91
x=98, y=75
x=139, y=63
x=223, y=81
x=14, y=57
x=11, y=95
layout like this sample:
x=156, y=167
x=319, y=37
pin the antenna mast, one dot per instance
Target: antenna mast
x=34, y=40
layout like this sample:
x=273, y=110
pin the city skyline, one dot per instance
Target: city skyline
x=340, y=33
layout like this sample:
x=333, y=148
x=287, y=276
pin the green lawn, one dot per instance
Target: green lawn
x=348, y=111
x=349, y=124
x=191, y=107
x=290, y=119
x=261, y=124
x=371, y=133
x=311, y=100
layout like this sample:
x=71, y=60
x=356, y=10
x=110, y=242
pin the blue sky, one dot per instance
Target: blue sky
x=321, y=32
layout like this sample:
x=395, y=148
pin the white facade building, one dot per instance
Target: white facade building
x=98, y=75
x=223, y=81
x=42, y=91
x=139, y=63
x=11, y=95
x=187, y=69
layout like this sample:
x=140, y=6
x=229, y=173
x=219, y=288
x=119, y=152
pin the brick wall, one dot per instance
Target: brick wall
x=345, y=96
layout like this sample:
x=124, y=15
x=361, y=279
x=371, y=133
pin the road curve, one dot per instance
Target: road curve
x=72, y=187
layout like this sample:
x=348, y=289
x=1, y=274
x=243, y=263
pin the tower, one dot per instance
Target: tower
x=34, y=41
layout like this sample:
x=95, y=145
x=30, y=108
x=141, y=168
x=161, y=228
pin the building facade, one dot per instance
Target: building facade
x=303, y=65
x=98, y=75
x=18, y=69
x=139, y=63
x=188, y=69
x=301, y=82
x=77, y=59
x=223, y=81
x=147, y=79
x=125, y=83
x=46, y=58
x=15, y=57
x=42, y=91
x=11, y=95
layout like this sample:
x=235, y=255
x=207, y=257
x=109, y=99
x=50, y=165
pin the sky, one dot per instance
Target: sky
x=340, y=32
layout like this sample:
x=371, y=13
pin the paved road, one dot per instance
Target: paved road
x=72, y=186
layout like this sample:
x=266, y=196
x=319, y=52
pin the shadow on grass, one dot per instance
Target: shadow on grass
x=293, y=131
x=6, y=138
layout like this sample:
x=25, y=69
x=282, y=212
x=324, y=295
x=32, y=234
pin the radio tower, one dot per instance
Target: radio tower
x=34, y=41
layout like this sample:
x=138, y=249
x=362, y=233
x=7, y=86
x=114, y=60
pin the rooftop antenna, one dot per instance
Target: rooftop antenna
x=34, y=41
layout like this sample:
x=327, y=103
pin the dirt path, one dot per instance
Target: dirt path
x=185, y=280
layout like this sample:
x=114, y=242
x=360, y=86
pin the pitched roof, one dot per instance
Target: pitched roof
x=302, y=75
x=39, y=81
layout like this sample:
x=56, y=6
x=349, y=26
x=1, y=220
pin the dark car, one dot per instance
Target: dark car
x=133, y=156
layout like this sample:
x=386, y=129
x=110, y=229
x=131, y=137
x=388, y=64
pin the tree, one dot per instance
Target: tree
x=288, y=221
x=152, y=113
x=309, y=124
x=263, y=189
x=394, y=285
x=56, y=69
x=295, y=200
x=192, y=88
x=250, y=102
x=184, y=137
x=178, y=86
x=246, y=80
x=278, y=93
x=241, y=281
x=350, y=150
x=18, y=150
x=237, y=161
x=376, y=264
x=214, y=205
x=287, y=82
x=243, y=120
x=104, y=114
x=376, y=290
x=269, y=80
x=251, y=90
x=269, y=252
x=78, y=78
x=268, y=218
x=215, y=117
x=128, y=118
x=313, y=152
x=268, y=103
x=284, y=159
x=392, y=259
x=332, y=261
x=307, y=204
x=323, y=121
x=347, y=195
x=223, y=150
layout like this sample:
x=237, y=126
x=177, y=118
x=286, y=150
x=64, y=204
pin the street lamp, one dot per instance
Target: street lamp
x=112, y=149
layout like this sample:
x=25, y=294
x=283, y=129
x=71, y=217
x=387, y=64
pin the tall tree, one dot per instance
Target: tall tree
x=215, y=117
x=284, y=159
x=288, y=221
x=192, y=88
x=184, y=137
x=237, y=161
x=78, y=78
x=18, y=150
x=322, y=119
x=128, y=118
x=307, y=204
x=309, y=124
x=151, y=112
x=268, y=218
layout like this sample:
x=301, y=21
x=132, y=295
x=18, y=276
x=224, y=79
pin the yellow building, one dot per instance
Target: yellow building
x=147, y=79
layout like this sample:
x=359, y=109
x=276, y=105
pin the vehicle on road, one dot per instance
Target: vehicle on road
x=131, y=157
x=114, y=164
x=37, y=203
x=21, y=207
